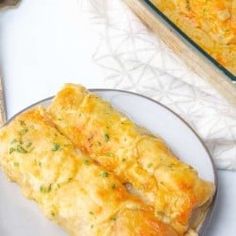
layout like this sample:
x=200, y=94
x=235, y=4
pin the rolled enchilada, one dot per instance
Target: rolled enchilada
x=140, y=160
x=67, y=185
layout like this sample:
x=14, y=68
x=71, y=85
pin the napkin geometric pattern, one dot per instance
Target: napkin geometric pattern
x=132, y=58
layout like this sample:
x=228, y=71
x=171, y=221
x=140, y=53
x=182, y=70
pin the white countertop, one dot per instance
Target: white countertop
x=40, y=51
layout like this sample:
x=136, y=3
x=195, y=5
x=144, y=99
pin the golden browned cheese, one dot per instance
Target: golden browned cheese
x=211, y=24
x=143, y=161
x=69, y=187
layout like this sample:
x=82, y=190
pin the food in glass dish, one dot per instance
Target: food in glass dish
x=211, y=24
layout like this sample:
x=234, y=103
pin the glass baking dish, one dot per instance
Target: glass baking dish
x=175, y=28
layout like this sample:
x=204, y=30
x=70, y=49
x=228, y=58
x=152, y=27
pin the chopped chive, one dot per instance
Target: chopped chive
x=109, y=154
x=105, y=174
x=171, y=165
x=107, y=137
x=45, y=189
x=20, y=149
x=12, y=150
x=56, y=147
x=53, y=213
x=50, y=188
x=113, y=186
x=29, y=144
x=31, y=149
x=16, y=164
x=86, y=162
x=92, y=226
x=113, y=218
x=149, y=165
x=91, y=213
x=14, y=141
x=23, y=131
x=22, y=122
x=123, y=159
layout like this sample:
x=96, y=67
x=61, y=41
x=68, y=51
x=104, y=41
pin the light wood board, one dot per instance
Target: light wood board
x=197, y=62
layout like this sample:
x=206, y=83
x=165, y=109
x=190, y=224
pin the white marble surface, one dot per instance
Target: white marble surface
x=40, y=51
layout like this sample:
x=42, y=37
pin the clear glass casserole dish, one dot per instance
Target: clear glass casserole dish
x=228, y=72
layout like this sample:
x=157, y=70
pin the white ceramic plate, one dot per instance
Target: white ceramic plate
x=21, y=217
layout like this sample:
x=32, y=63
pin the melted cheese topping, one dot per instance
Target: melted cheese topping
x=143, y=161
x=211, y=24
x=69, y=187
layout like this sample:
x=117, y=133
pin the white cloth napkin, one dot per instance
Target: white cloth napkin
x=131, y=57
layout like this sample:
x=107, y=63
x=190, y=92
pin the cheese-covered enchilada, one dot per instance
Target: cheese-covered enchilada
x=69, y=187
x=140, y=160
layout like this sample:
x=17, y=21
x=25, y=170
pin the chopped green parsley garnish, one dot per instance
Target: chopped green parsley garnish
x=171, y=165
x=16, y=164
x=22, y=122
x=23, y=131
x=149, y=165
x=14, y=141
x=29, y=145
x=11, y=150
x=20, y=146
x=86, y=162
x=20, y=149
x=44, y=189
x=104, y=174
x=109, y=154
x=56, y=147
x=106, y=137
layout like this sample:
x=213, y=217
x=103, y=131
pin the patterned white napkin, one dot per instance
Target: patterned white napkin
x=133, y=58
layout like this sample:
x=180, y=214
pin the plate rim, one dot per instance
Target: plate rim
x=203, y=228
